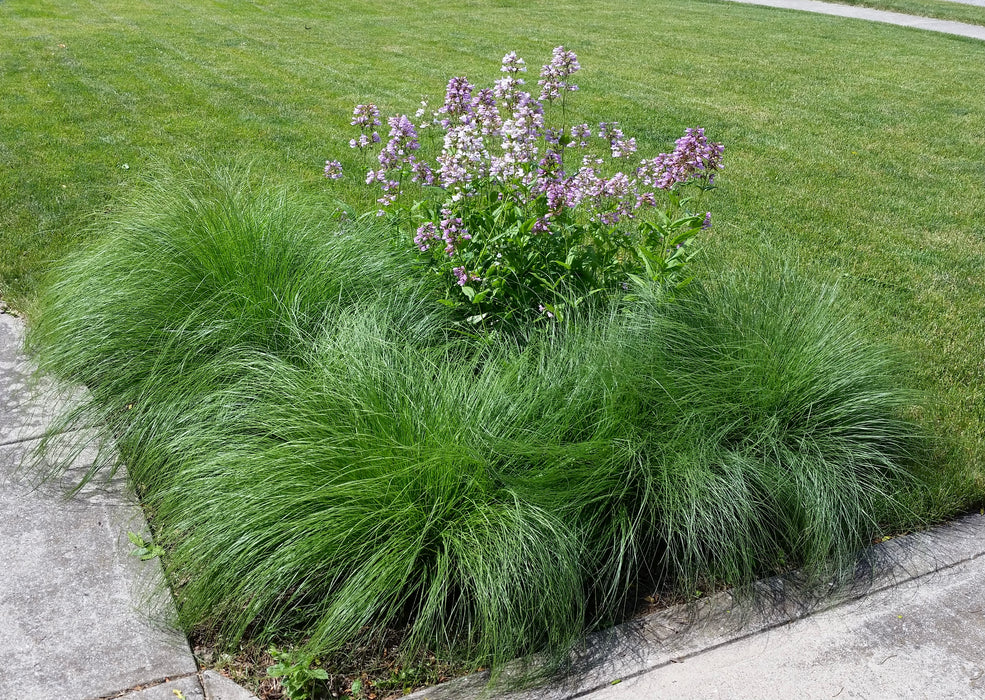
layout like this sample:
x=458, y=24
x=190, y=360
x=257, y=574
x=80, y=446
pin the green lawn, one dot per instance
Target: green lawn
x=854, y=150
x=939, y=9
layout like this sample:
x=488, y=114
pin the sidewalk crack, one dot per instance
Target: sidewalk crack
x=151, y=684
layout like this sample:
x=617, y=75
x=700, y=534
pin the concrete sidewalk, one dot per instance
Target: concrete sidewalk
x=912, y=627
x=972, y=31
x=81, y=615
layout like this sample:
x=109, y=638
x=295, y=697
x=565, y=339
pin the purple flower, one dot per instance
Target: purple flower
x=550, y=167
x=513, y=64
x=557, y=195
x=452, y=232
x=421, y=172
x=463, y=157
x=694, y=157
x=333, y=169
x=364, y=141
x=619, y=145
x=458, y=101
x=464, y=278
x=485, y=109
x=706, y=224
x=507, y=87
x=365, y=116
x=520, y=132
x=554, y=76
x=581, y=132
x=426, y=233
x=402, y=142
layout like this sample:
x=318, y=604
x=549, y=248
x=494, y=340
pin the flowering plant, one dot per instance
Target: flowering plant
x=523, y=217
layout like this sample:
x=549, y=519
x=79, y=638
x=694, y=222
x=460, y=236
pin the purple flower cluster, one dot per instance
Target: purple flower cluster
x=364, y=141
x=426, y=233
x=507, y=87
x=499, y=136
x=366, y=117
x=421, y=172
x=397, y=153
x=554, y=76
x=402, y=142
x=520, y=133
x=496, y=147
x=619, y=145
x=693, y=157
x=463, y=158
x=462, y=277
x=487, y=112
x=581, y=132
x=452, y=232
x=333, y=169
x=458, y=101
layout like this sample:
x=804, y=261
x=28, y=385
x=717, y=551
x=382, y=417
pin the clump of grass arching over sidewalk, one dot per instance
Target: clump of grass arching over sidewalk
x=325, y=457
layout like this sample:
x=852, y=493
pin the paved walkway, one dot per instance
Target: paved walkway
x=829, y=8
x=914, y=629
x=80, y=615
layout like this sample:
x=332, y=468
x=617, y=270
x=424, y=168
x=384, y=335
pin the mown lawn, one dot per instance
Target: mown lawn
x=854, y=151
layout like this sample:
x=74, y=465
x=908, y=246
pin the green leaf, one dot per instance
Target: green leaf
x=277, y=670
x=151, y=553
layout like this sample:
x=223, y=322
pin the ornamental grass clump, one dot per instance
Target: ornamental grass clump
x=524, y=216
x=197, y=279
x=773, y=431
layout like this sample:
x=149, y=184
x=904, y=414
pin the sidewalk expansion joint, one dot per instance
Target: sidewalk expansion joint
x=150, y=684
x=27, y=438
x=16, y=441
x=4, y=441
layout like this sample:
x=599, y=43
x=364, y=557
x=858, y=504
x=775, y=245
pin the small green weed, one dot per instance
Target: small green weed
x=296, y=675
x=145, y=549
